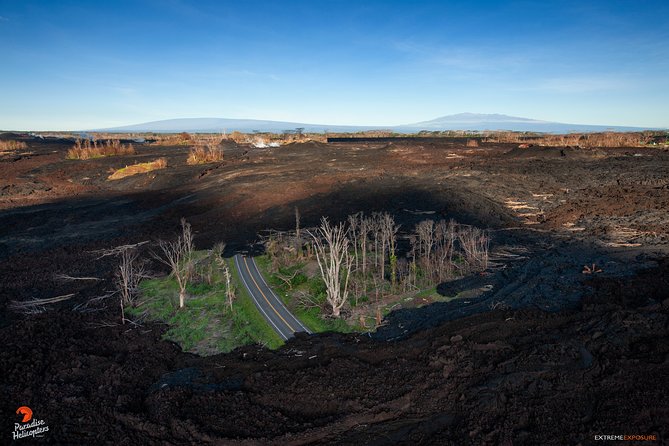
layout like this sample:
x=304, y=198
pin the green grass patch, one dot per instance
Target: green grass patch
x=263, y=261
x=206, y=325
x=203, y=326
x=429, y=292
x=313, y=319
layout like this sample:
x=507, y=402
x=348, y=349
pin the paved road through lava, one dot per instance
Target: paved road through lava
x=269, y=304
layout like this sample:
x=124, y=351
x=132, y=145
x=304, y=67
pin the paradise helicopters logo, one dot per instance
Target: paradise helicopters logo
x=29, y=426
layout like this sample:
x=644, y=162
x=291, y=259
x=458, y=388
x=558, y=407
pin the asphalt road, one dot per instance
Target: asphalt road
x=269, y=304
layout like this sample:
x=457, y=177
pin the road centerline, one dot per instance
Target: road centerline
x=277, y=299
x=265, y=297
x=269, y=319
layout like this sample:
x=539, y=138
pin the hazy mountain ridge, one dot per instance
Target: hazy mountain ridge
x=214, y=125
x=475, y=118
x=460, y=121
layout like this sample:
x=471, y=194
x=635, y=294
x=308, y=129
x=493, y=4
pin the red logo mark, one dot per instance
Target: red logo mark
x=26, y=412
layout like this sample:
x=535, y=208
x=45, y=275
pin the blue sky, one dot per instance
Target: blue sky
x=85, y=64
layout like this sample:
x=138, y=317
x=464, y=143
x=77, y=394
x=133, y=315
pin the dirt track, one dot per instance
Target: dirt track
x=595, y=364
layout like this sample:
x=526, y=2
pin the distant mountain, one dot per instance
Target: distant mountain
x=219, y=125
x=461, y=121
x=476, y=121
x=473, y=118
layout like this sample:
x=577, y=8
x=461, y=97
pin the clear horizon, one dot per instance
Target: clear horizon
x=75, y=65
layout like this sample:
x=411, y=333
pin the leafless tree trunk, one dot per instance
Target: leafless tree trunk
x=452, y=236
x=413, y=270
x=272, y=248
x=229, y=289
x=425, y=233
x=334, y=261
x=389, y=240
x=445, y=235
x=353, y=227
x=127, y=277
x=378, y=303
x=375, y=226
x=382, y=260
x=178, y=256
x=130, y=272
x=403, y=276
x=298, y=240
x=363, y=232
x=297, y=222
x=475, y=243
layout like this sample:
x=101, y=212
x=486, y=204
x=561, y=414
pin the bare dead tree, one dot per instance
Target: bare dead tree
x=178, y=256
x=413, y=269
x=306, y=301
x=376, y=232
x=425, y=233
x=212, y=262
x=445, y=235
x=287, y=279
x=378, y=302
x=297, y=222
x=403, y=273
x=475, y=243
x=280, y=246
x=353, y=226
x=272, y=248
x=229, y=288
x=435, y=244
x=334, y=262
x=452, y=235
x=128, y=276
x=298, y=239
x=363, y=232
x=66, y=277
x=116, y=250
x=217, y=253
x=215, y=257
x=356, y=288
x=36, y=306
x=384, y=235
x=389, y=240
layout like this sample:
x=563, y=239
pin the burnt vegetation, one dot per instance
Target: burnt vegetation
x=84, y=149
x=368, y=264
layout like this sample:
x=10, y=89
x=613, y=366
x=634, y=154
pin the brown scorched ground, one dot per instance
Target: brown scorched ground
x=549, y=356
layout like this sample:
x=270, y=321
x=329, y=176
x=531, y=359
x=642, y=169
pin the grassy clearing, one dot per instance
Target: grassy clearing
x=206, y=325
x=135, y=169
x=201, y=327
